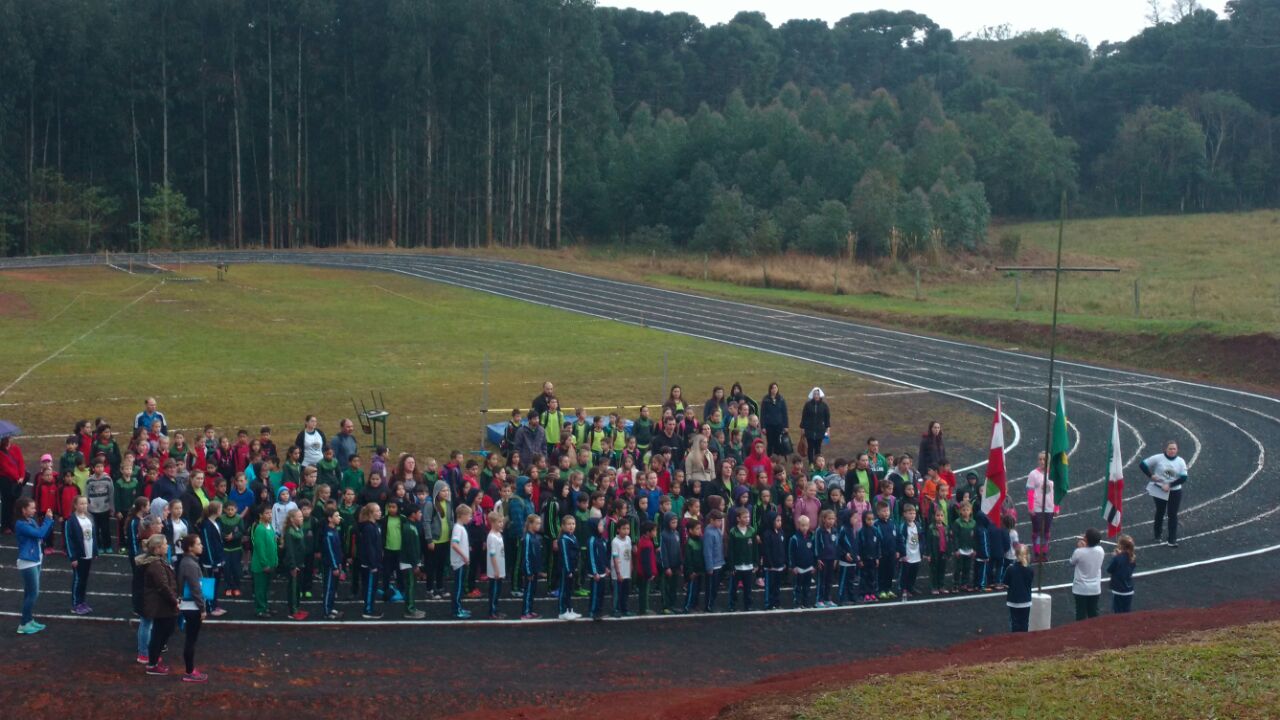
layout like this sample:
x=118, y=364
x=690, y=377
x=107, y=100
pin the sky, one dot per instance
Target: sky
x=1096, y=20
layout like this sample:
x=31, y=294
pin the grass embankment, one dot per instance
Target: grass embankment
x=1209, y=291
x=1227, y=673
x=273, y=344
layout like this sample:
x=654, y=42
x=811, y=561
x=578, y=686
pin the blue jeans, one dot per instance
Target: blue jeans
x=144, y=635
x=30, y=590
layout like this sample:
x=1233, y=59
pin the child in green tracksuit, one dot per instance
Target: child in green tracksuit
x=263, y=563
x=744, y=555
x=328, y=473
x=695, y=566
x=962, y=530
x=292, y=560
x=411, y=560
x=231, y=525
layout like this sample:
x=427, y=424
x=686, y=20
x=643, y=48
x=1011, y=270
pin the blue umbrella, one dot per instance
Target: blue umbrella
x=7, y=429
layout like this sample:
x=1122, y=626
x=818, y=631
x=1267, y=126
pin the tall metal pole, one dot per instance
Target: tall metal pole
x=484, y=402
x=1048, y=408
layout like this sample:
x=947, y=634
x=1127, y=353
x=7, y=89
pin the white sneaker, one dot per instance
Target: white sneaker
x=566, y=615
x=573, y=615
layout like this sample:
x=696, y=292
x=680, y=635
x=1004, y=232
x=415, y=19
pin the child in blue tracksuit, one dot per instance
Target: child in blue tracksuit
x=847, y=554
x=826, y=551
x=868, y=547
x=888, y=532
x=531, y=563
x=568, y=557
x=597, y=564
x=773, y=559
x=331, y=562
x=800, y=558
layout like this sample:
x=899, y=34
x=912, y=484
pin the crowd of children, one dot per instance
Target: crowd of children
x=661, y=515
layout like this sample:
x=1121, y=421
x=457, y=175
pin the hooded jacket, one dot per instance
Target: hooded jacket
x=758, y=460
x=846, y=539
x=815, y=418
x=597, y=549
x=670, y=555
x=773, y=547
x=159, y=587
x=887, y=530
x=800, y=555
x=773, y=413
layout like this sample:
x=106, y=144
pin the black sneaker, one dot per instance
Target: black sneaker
x=1172, y=543
x=375, y=616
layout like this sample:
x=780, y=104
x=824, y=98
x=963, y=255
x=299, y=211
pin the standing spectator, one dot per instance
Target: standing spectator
x=344, y=443
x=1167, y=472
x=714, y=403
x=531, y=439
x=773, y=418
x=105, y=445
x=191, y=604
x=159, y=600
x=738, y=396
x=932, y=450
x=30, y=555
x=1086, y=586
x=815, y=421
x=13, y=473
x=699, y=464
x=148, y=416
x=311, y=442
x=540, y=403
x=1040, y=505
x=1019, y=579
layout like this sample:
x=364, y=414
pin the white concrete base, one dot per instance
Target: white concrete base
x=1041, y=612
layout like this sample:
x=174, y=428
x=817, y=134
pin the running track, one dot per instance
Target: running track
x=1232, y=499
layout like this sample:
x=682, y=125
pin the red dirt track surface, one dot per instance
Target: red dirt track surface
x=723, y=665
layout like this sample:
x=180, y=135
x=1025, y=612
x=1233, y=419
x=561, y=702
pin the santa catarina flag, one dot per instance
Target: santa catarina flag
x=993, y=492
x=1058, y=466
x=1115, y=480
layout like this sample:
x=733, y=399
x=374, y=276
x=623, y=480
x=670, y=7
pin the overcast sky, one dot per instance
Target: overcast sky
x=1096, y=20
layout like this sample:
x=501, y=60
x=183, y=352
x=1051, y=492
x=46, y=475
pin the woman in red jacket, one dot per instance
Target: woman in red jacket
x=13, y=473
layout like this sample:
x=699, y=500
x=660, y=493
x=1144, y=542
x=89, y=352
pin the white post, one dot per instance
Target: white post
x=1041, y=612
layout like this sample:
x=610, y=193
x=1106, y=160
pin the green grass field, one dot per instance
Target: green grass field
x=1227, y=261
x=273, y=344
x=1229, y=673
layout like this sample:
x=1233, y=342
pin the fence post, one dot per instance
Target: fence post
x=1195, y=291
x=918, y=283
x=835, y=277
x=663, y=390
x=1137, y=299
x=484, y=402
x=1017, y=292
x=704, y=267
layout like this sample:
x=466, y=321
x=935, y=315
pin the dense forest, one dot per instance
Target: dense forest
x=128, y=124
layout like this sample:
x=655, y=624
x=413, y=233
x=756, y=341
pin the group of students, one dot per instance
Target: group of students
x=603, y=512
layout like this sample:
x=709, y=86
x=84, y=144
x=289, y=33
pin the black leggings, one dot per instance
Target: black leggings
x=1170, y=507
x=192, y=618
x=161, y=630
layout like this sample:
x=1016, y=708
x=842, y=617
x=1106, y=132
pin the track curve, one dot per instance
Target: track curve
x=1232, y=502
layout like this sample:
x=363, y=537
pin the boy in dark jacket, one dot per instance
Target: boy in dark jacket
x=889, y=541
x=567, y=554
x=598, y=565
x=531, y=562
x=983, y=551
x=800, y=558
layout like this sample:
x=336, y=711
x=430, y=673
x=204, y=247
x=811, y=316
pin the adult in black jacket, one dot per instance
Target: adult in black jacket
x=737, y=395
x=932, y=450
x=773, y=418
x=539, y=404
x=815, y=420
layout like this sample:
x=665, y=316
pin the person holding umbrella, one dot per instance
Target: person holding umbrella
x=13, y=473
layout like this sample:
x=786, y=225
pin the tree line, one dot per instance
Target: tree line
x=298, y=123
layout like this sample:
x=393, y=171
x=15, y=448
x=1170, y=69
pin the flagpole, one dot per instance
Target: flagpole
x=1048, y=407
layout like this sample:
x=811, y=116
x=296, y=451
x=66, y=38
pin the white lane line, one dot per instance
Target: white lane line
x=80, y=337
x=653, y=618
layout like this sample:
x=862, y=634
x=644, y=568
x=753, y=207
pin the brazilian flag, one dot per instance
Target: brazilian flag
x=1058, y=465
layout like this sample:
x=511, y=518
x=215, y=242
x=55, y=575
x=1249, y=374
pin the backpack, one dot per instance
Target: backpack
x=784, y=443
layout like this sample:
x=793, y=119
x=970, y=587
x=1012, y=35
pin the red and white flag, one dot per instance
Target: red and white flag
x=993, y=493
x=1115, y=480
